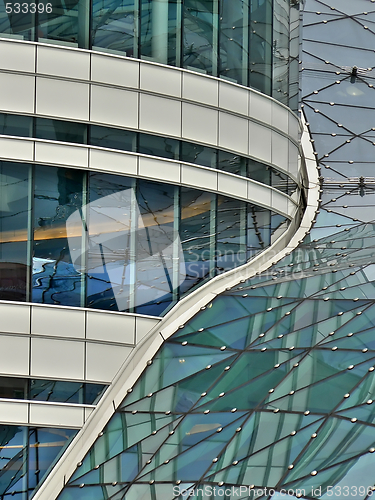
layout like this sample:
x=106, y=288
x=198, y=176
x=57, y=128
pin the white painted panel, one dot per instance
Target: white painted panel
x=259, y=141
x=280, y=150
x=114, y=70
x=17, y=93
x=61, y=154
x=63, y=62
x=233, y=98
x=63, y=416
x=15, y=355
x=116, y=107
x=113, y=162
x=57, y=358
x=293, y=127
x=233, y=132
x=279, y=202
x=199, y=123
x=166, y=81
x=280, y=117
x=161, y=115
x=293, y=159
x=232, y=185
x=57, y=322
x=199, y=88
x=16, y=149
x=14, y=318
x=258, y=194
x=13, y=412
x=199, y=177
x=143, y=326
x=62, y=98
x=159, y=170
x=260, y=107
x=88, y=412
x=17, y=56
x=110, y=327
x=104, y=361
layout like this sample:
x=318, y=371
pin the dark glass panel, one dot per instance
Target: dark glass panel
x=58, y=130
x=259, y=172
x=13, y=445
x=58, y=236
x=65, y=21
x=197, y=236
x=13, y=388
x=15, y=209
x=231, y=233
x=110, y=273
x=201, y=155
x=16, y=125
x=64, y=392
x=155, y=247
x=198, y=36
x=230, y=162
x=106, y=137
x=261, y=46
x=234, y=40
x=159, y=146
x=114, y=26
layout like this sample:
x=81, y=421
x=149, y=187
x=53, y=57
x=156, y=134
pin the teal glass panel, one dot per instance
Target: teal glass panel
x=230, y=162
x=159, y=146
x=260, y=45
x=66, y=22
x=113, y=138
x=200, y=155
x=17, y=125
x=58, y=242
x=114, y=27
x=58, y=130
x=15, y=214
x=199, y=51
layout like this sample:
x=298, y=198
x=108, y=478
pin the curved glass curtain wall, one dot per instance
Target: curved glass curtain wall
x=27, y=455
x=118, y=243
x=245, y=41
x=138, y=142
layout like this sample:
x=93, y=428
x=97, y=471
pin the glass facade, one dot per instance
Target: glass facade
x=50, y=390
x=27, y=455
x=116, y=243
x=268, y=391
x=153, y=145
x=244, y=41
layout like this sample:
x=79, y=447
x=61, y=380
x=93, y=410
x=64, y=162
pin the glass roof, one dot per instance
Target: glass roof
x=268, y=391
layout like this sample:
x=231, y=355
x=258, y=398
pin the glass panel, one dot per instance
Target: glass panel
x=58, y=243
x=13, y=446
x=281, y=58
x=15, y=211
x=230, y=162
x=198, y=36
x=109, y=252
x=201, y=155
x=259, y=172
x=114, y=26
x=66, y=21
x=13, y=388
x=58, y=130
x=196, y=213
x=160, y=30
x=16, y=125
x=155, y=247
x=159, y=146
x=234, y=40
x=114, y=138
x=15, y=24
x=261, y=45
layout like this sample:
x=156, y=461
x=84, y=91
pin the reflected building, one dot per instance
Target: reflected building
x=186, y=273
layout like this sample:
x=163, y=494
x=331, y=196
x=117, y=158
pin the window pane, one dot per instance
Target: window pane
x=56, y=275
x=16, y=125
x=14, y=215
x=58, y=130
x=114, y=26
x=106, y=137
x=159, y=146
